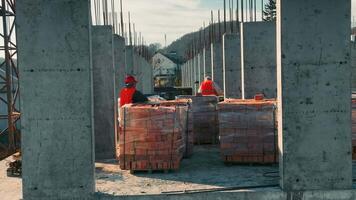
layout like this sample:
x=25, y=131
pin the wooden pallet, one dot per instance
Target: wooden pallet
x=151, y=171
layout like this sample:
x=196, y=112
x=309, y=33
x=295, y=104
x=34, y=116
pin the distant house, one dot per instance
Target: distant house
x=166, y=70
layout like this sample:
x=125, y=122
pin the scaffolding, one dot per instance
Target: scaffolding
x=9, y=81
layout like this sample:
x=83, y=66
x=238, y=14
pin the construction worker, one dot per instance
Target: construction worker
x=209, y=88
x=129, y=94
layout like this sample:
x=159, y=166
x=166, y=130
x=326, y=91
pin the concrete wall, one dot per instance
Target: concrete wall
x=104, y=92
x=232, y=66
x=54, y=45
x=314, y=95
x=120, y=63
x=217, y=64
x=259, y=50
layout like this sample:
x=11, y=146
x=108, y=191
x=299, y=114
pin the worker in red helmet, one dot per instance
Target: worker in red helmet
x=210, y=88
x=129, y=94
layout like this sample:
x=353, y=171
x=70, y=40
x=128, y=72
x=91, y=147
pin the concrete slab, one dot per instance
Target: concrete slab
x=217, y=64
x=104, y=92
x=232, y=66
x=54, y=45
x=259, y=51
x=120, y=63
x=110, y=178
x=314, y=95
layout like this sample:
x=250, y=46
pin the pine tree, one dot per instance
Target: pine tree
x=269, y=13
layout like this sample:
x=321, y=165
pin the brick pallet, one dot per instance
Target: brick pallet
x=353, y=129
x=248, y=131
x=186, y=123
x=205, y=119
x=150, y=138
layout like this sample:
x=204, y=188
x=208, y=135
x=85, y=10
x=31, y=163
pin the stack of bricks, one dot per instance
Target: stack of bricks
x=354, y=129
x=248, y=132
x=185, y=121
x=150, y=138
x=205, y=119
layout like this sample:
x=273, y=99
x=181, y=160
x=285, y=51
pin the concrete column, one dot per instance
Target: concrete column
x=147, y=77
x=259, y=50
x=313, y=54
x=138, y=70
x=353, y=65
x=104, y=94
x=191, y=74
x=217, y=64
x=56, y=99
x=201, y=67
x=129, y=60
x=120, y=64
x=196, y=73
x=207, y=61
x=232, y=66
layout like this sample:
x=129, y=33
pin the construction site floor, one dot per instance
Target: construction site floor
x=204, y=170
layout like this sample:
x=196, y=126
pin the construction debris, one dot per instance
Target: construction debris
x=247, y=131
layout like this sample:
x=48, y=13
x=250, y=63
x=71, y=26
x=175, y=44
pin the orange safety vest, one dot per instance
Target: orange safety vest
x=126, y=96
x=207, y=88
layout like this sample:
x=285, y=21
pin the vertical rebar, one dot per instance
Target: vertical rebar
x=224, y=16
x=255, y=9
x=130, y=33
x=122, y=19
x=219, y=23
x=237, y=15
x=242, y=11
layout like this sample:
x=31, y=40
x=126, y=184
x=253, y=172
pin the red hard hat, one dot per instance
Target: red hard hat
x=130, y=79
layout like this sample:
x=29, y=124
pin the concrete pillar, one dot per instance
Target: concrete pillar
x=129, y=60
x=353, y=65
x=56, y=99
x=104, y=94
x=120, y=64
x=232, y=66
x=201, y=67
x=314, y=94
x=190, y=74
x=207, y=61
x=259, y=50
x=147, y=77
x=196, y=73
x=138, y=70
x=217, y=63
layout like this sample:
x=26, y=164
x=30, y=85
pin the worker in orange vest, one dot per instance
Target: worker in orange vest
x=129, y=94
x=209, y=88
